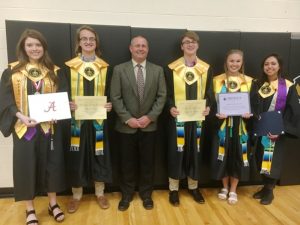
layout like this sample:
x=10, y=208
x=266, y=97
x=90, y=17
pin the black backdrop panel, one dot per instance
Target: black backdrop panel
x=291, y=166
x=164, y=44
x=257, y=45
x=57, y=35
x=214, y=46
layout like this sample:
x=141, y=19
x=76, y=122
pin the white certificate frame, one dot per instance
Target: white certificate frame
x=48, y=107
x=191, y=110
x=234, y=103
x=90, y=107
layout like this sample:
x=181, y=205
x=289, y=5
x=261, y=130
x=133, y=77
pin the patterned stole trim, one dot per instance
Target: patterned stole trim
x=228, y=124
x=19, y=81
x=268, y=155
x=77, y=89
x=180, y=71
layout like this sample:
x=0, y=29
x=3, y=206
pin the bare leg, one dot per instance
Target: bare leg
x=232, y=194
x=233, y=184
x=225, y=182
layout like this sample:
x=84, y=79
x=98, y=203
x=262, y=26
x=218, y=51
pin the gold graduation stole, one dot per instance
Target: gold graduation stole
x=298, y=89
x=183, y=75
x=222, y=84
x=35, y=73
x=96, y=71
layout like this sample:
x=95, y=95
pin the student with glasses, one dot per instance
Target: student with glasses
x=188, y=78
x=88, y=158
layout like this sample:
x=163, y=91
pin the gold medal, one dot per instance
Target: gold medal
x=34, y=72
x=89, y=71
x=266, y=89
x=232, y=84
x=189, y=76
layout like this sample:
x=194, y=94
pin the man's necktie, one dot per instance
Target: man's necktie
x=140, y=82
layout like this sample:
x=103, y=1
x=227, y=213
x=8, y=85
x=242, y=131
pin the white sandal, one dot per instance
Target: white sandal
x=232, y=198
x=223, y=194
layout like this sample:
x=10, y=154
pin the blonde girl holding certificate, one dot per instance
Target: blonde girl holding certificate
x=230, y=143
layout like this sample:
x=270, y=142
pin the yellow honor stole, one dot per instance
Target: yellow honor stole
x=221, y=84
x=35, y=73
x=96, y=71
x=183, y=75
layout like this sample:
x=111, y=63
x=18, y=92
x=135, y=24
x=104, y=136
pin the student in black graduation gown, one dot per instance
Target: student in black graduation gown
x=88, y=158
x=188, y=78
x=37, y=166
x=271, y=94
x=292, y=110
x=231, y=143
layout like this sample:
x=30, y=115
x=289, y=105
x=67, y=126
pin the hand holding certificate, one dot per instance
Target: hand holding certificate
x=191, y=110
x=234, y=103
x=90, y=107
x=47, y=107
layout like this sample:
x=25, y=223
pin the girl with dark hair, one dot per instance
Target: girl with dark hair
x=271, y=95
x=37, y=161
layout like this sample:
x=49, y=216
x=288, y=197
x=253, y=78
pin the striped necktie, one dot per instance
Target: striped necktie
x=140, y=82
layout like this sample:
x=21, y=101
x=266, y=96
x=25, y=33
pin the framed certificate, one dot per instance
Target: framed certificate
x=47, y=107
x=190, y=110
x=234, y=103
x=90, y=107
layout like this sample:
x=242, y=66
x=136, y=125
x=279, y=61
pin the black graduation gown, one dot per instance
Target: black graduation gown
x=186, y=163
x=232, y=163
x=292, y=112
x=83, y=166
x=36, y=168
x=262, y=105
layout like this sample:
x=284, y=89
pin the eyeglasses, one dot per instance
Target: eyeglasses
x=86, y=39
x=189, y=42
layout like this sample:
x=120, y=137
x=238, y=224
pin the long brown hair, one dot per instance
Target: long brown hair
x=23, y=58
x=78, y=49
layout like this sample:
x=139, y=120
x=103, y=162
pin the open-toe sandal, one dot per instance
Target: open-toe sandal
x=223, y=194
x=33, y=220
x=57, y=215
x=232, y=198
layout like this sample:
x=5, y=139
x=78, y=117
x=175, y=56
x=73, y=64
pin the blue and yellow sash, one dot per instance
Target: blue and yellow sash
x=183, y=75
x=222, y=84
x=81, y=70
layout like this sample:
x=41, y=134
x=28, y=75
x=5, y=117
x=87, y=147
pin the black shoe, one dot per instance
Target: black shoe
x=174, y=198
x=148, y=203
x=124, y=203
x=268, y=197
x=260, y=194
x=197, y=195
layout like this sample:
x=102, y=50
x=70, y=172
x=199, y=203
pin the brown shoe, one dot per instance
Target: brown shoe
x=103, y=202
x=73, y=205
